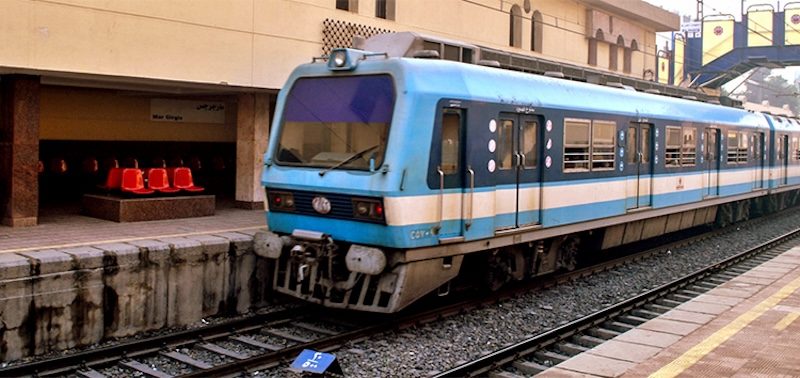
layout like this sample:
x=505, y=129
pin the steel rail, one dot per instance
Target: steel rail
x=405, y=321
x=125, y=350
x=513, y=352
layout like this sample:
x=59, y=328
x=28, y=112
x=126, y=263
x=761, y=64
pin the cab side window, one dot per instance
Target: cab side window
x=451, y=146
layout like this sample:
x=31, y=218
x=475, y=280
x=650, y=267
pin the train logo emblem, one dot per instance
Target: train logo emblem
x=796, y=19
x=718, y=30
x=321, y=205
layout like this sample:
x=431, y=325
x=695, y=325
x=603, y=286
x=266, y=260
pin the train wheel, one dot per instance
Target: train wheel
x=568, y=253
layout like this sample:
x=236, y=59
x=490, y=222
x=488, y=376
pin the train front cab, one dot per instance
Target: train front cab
x=340, y=193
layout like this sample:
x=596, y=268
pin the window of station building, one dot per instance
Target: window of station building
x=515, y=27
x=627, y=58
x=346, y=5
x=613, y=53
x=673, y=150
x=593, y=46
x=384, y=9
x=603, y=133
x=589, y=145
x=451, y=146
x=689, y=150
x=536, y=31
x=505, y=144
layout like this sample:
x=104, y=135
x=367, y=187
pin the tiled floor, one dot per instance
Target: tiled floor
x=60, y=229
x=747, y=327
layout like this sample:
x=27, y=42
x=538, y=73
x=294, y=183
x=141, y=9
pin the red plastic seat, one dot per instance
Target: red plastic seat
x=181, y=178
x=158, y=181
x=133, y=182
x=113, y=180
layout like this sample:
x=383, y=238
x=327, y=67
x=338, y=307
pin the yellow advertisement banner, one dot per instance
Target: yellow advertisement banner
x=663, y=70
x=679, y=48
x=759, y=28
x=792, y=20
x=717, y=39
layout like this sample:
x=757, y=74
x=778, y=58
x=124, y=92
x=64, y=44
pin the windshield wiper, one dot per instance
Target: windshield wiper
x=351, y=158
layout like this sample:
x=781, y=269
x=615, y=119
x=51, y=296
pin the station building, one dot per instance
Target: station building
x=88, y=84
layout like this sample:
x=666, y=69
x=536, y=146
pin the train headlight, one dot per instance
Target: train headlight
x=368, y=209
x=362, y=208
x=280, y=200
x=339, y=58
x=344, y=59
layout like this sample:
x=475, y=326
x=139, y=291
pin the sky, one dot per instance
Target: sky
x=689, y=7
x=713, y=7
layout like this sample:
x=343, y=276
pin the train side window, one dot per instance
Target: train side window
x=733, y=147
x=644, y=142
x=631, y=145
x=741, y=157
x=603, y=133
x=689, y=151
x=673, y=151
x=782, y=140
x=795, y=149
x=756, y=139
x=576, y=145
x=451, y=146
x=529, y=138
x=505, y=144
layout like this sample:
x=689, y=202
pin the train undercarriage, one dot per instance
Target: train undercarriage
x=313, y=267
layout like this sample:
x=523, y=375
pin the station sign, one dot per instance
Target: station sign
x=186, y=111
x=692, y=29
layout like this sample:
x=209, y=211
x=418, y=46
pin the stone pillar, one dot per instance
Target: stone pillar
x=252, y=134
x=19, y=150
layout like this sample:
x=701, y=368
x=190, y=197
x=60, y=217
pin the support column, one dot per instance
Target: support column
x=19, y=150
x=252, y=135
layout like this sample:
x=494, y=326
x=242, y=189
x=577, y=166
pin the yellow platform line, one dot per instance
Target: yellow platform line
x=786, y=321
x=82, y=244
x=690, y=357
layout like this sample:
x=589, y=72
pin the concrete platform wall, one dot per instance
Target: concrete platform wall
x=58, y=299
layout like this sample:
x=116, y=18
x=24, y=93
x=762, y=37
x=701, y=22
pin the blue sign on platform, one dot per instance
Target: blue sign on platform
x=315, y=362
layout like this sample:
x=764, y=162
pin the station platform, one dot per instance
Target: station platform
x=75, y=281
x=67, y=228
x=746, y=327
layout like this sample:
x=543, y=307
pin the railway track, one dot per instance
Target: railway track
x=540, y=352
x=271, y=340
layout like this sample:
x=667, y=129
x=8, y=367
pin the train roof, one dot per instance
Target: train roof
x=448, y=79
x=495, y=84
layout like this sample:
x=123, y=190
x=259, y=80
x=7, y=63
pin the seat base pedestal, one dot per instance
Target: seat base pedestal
x=120, y=209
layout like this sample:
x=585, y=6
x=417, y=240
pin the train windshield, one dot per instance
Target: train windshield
x=337, y=122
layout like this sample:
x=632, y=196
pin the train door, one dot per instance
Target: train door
x=639, y=161
x=453, y=175
x=711, y=146
x=518, y=170
x=782, y=159
x=758, y=157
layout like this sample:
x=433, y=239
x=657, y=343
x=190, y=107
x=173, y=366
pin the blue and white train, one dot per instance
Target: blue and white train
x=387, y=177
